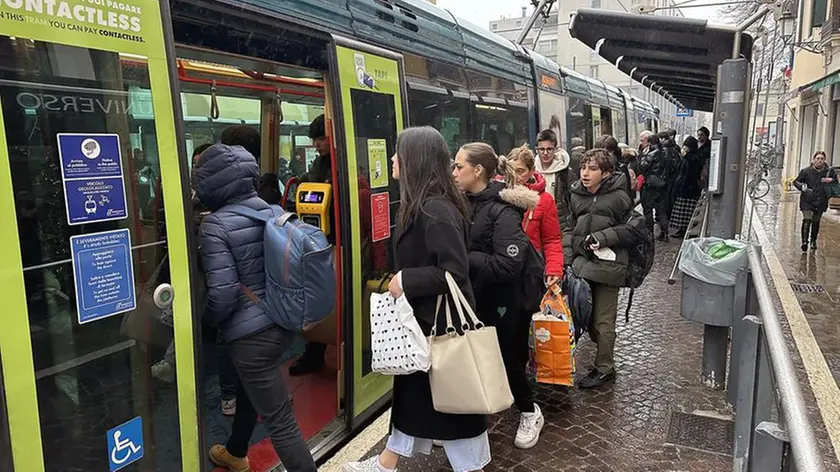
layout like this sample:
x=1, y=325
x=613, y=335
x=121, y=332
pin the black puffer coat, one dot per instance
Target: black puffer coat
x=497, y=248
x=688, y=184
x=604, y=215
x=814, y=196
x=231, y=246
x=655, y=165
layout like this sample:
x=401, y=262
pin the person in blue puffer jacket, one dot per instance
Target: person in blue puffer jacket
x=231, y=248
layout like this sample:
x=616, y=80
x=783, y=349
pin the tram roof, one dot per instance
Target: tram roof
x=675, y=57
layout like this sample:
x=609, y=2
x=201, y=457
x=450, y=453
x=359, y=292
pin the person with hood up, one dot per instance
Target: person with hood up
x=813, y=182
x=554, y=165
x=596, y=247
x=498, y=248
x=540, y=224
x=231, y=248
x=687, y=187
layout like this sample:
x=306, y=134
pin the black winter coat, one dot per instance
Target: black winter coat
x=603, y=215
x=497, y=248
x=688, y=180
x=231, y=246
x=432, y=245
x=814, y=196
x=654, y=165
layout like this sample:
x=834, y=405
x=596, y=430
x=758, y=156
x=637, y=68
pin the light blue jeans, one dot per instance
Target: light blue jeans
x=465, y=455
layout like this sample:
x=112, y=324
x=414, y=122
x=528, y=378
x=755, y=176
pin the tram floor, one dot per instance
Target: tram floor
x=315, y=405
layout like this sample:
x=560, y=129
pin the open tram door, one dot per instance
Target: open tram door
x=369, y=106
x=96, y=282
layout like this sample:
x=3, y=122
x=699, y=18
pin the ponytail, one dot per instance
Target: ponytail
x=505, y=169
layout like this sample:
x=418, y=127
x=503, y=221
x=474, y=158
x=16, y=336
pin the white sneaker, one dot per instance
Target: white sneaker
x=369, y=465
x=437, y=443
x=530, y=426
x=163, y=371
x=229, y=406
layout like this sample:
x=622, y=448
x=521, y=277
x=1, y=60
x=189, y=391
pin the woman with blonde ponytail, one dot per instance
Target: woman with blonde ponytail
x=497, y=249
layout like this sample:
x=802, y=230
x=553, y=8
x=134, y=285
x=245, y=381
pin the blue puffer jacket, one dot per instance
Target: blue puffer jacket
x=231, y=245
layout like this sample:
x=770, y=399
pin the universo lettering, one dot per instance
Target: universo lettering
x=127, y=21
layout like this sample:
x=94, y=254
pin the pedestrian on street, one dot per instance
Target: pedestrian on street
x=432, y=230
x=498, y=248
x=653, y=167
x=673, y=156
x=813, y=182
x=540, y=224
x=624, y=163
x=596, y=249
x=558, y=170
x=231, y=248
x=687, y=187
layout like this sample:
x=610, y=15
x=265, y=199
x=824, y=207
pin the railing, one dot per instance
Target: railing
x=772, y=430
x=829, y=27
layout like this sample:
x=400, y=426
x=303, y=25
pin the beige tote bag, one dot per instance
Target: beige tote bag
x=467, y=375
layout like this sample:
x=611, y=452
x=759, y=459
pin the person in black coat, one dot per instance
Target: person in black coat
x=431, y=240
x=498, y=248
x=688, y=187
x=813, y=182
x=654, y=165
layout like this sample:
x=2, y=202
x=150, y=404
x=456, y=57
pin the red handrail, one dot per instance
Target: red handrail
x=182, y=75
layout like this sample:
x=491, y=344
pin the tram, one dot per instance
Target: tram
x=103, y=103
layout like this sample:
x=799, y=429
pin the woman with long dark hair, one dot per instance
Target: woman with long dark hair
x=432, y=229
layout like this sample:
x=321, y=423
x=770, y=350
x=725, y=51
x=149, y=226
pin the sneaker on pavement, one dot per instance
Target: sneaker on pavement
x=595, y=379
x=370, y=464
x=437, y=443
x=220, y=456
x=530, y=426
x=229, y=406
x=163, y=371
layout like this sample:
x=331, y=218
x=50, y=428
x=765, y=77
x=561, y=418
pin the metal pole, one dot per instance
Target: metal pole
x=736, y=44
x=537, y=12
x=806, y=454
x=767, y=88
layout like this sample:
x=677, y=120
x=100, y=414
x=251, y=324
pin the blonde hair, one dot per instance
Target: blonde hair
x=524, y=155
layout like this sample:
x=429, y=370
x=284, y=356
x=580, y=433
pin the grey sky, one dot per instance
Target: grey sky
x=482, y=12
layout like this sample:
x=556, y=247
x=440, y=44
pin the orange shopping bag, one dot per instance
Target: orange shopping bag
x=553, y=334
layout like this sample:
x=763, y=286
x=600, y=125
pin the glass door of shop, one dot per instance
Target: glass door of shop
x=97, y=344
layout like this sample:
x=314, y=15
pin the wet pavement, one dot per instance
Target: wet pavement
x=623, y=426
x=815, y=275
x=658, y=416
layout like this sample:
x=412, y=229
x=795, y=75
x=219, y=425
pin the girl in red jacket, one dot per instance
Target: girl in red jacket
x=540, y=224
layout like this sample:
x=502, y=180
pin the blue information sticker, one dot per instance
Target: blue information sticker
x=91, y=168
x=125, y=444
x=103, y=273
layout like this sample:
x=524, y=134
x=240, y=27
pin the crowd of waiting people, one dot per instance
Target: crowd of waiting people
x=476, y=218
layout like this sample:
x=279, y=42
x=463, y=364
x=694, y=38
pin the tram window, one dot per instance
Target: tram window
x=619, y=125
x=578, y=111
x=447, y=114
x=606, y=122
x=200, y=128
x=89, y=377
x=501, y=127
x=297, y=151
x=552, y=115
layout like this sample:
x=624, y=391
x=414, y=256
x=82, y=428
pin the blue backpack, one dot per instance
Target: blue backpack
x=300, y=287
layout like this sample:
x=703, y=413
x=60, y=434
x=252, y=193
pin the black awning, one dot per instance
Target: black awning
x=675, y=57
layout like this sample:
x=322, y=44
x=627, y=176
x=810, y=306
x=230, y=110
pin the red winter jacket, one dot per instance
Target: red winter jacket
x=543, y=227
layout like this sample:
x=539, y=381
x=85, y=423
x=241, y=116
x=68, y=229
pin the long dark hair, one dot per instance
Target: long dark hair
x=425, y=172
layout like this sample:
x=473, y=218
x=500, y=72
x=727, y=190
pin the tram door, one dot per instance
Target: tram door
x=97, y=339
x=369, y=115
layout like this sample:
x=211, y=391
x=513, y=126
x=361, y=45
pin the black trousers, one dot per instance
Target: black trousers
x=656, y=200
x=513, y=332
x=260, y=391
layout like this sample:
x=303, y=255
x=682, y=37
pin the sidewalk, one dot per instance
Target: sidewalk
x=656, y=416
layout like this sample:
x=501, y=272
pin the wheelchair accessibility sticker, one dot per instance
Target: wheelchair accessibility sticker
x=125, y=444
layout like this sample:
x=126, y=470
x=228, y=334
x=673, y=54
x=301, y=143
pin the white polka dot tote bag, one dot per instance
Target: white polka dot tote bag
x=398, y=344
